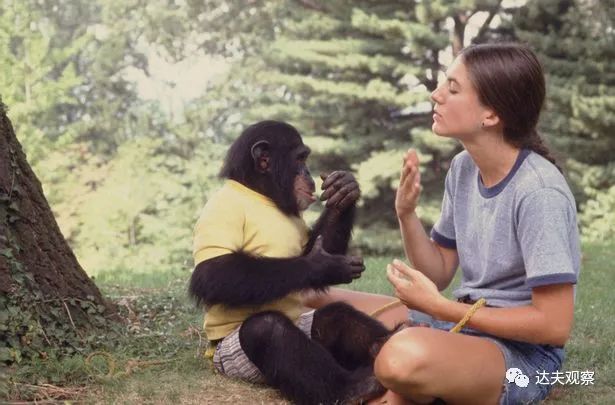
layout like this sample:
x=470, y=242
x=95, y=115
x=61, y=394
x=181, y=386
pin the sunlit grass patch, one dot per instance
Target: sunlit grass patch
x=158, y=351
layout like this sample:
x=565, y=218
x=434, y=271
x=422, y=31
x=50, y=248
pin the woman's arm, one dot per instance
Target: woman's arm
x=436, y=262
x=548, y=320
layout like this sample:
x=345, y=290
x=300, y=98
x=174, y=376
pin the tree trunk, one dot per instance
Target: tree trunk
x=459, y=29
x=47, y=301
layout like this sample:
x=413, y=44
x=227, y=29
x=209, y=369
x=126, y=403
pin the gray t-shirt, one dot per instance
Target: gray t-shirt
x=519, y=234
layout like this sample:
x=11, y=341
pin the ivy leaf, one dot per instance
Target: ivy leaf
x=7, y=252
x=5, y=354
x=13, y=311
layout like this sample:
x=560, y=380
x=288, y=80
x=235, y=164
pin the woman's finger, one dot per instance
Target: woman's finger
x=399, y=281
x=409, y=177
x=405, y=170
x=393, y=277
x=400, y=266
x=411, y=162
x=413, y=157
x=403, y=268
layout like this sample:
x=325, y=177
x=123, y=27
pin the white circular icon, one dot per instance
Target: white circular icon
x=515, y=375
x=512, y=373
x=522, y=381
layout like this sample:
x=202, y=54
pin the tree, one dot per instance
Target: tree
x=139, y=219
x=353, y=76
x=574, y=40
x=47, y=301
x=37, y=76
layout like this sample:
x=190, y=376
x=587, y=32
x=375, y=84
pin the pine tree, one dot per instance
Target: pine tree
x=355, y=78
x=574, y=40
x=37, y=77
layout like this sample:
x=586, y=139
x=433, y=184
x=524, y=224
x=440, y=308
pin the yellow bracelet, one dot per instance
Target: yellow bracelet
x=478, y=304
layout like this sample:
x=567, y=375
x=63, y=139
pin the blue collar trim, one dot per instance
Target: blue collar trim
x=490, y=192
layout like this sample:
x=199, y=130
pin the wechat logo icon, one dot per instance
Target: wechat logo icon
x=515, y=375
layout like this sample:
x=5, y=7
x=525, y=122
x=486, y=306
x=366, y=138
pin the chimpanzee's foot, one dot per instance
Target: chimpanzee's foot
x=364, y=388
x=378, y=343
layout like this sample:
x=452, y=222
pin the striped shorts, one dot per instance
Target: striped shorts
x=231, y=361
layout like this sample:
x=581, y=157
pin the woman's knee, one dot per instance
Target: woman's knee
x=404, y=359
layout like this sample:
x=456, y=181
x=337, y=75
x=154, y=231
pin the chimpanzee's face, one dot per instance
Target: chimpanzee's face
x=270, y=158
x=304, y=186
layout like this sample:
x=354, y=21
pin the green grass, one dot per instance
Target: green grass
x=591, y=346
x=162, y=325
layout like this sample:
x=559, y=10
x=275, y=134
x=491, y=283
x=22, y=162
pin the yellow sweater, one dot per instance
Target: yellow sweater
x=237, y=218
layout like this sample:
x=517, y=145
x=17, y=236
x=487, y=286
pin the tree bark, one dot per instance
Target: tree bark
x=42, y=286
x=459, y=29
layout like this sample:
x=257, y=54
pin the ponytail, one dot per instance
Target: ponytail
x=534, y=142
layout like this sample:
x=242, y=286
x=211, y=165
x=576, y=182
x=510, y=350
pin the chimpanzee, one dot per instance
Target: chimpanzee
x=254, y=255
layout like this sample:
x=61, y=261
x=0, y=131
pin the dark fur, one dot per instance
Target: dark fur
x=335, y=365
x=239, y=279
x=335, y=228
x=353, y=344
x=278, y=183
x=302, y=369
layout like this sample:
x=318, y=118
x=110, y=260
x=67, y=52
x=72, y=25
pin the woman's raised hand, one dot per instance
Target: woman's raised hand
x=409, y=189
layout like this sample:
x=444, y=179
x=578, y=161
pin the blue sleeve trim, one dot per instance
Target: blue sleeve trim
x=548, y=279
x=443, y=240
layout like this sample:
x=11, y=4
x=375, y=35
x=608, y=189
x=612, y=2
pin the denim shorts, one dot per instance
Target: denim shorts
x=530, y=359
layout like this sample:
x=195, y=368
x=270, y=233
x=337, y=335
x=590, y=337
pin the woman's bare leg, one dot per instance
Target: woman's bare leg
x=391, y=398
x=425, y=363
x=362, y=301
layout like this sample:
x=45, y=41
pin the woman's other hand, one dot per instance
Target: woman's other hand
x=409, y=189
x=413, y=288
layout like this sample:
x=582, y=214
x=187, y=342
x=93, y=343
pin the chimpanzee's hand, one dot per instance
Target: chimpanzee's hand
x=341, y=190
x=328, y=269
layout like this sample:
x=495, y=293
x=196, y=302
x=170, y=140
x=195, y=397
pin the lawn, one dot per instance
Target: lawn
x=158, y=356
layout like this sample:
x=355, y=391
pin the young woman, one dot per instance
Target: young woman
x=509, y=222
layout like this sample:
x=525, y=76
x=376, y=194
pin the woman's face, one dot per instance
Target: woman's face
x=457, y=111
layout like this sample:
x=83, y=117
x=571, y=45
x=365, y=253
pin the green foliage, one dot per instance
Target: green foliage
x=124, y=187
x=158, y=326
x=356, y=73
x=36, y=77
x=379, y=166
x=354, y=77
x=378, y=239
x=598, y=217
x=351, y=75
x=137, y=211
x=575, y=42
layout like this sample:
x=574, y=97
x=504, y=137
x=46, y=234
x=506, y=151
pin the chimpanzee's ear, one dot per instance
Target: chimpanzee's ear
x=260, y=155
